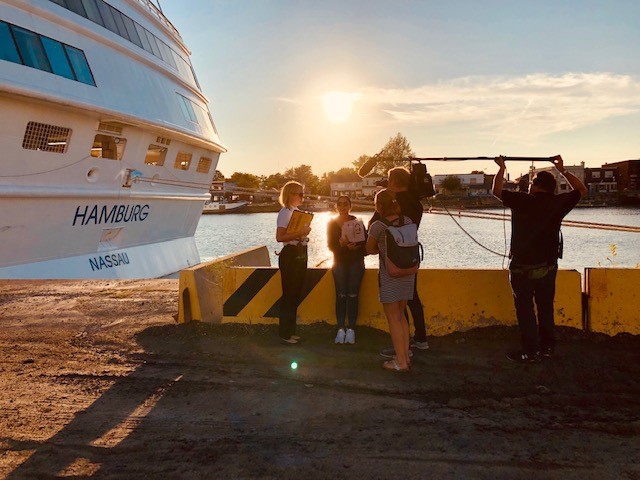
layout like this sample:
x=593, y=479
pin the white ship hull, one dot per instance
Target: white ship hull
x=103, y=175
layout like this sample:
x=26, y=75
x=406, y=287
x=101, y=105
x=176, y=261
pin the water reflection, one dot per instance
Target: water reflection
x=445, y=244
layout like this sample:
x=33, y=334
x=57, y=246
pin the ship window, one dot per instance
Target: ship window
x=106, y=146
x=58, y=58
x=155, y=155
x=31, y=49
x=154, y=45
x=131, y=30
x=204, y=165
x=46, y=138
x=107, y=17
x=93, y=13
x=76, y=7
x=80, y=65
x=117, y=16
x=183, y=161
x=187, y=109
x=100, y=12
x=43, y=53
x=8, y=50
x=143, y=38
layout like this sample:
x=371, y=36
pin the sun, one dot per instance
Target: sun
x=338, y=105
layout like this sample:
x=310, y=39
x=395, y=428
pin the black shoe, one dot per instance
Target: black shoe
x=547, y=352
x=391, y=352
x=522, y=357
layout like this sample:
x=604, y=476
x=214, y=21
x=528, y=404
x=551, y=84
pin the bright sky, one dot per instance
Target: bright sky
x=320, y=83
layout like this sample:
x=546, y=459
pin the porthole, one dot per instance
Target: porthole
x=93, y=174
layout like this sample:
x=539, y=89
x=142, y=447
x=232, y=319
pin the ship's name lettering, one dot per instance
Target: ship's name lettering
x=108, y=261
x=101, y=214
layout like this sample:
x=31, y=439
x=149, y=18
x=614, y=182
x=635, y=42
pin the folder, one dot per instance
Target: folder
x=299, y=219
x=354, y=231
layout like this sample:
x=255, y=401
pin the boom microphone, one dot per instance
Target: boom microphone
x=369, y=165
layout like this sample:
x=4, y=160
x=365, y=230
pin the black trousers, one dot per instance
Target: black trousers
x=293, y=268
x=417, y=312
x=538, y=334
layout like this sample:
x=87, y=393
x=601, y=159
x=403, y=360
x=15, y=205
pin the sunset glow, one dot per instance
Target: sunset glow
x=338, y=105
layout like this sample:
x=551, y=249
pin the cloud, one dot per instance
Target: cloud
x=521, y=108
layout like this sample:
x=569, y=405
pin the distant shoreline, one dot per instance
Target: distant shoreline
x=453, y=202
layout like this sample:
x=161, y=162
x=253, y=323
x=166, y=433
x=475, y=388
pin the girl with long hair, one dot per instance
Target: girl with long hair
x=394, y=292
x=347, y=269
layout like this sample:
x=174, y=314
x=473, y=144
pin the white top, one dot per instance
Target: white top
x=284, y=215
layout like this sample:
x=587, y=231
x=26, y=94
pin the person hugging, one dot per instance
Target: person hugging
x=394, y=291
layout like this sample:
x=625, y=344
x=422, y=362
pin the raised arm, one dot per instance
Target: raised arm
x=498, y=180
x=574, y=181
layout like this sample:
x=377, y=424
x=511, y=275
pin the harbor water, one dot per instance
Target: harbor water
x=446, y=245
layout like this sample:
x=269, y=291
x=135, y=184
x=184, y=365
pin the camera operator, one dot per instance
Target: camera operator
x=399, y=180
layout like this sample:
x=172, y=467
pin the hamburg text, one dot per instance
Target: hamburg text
x=103, y=214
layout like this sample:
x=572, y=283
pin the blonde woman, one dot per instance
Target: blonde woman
x=394, y=292
x=292, y=260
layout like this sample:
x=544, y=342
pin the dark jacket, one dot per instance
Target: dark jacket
x=343, y=254
x=535, y=225
x=410, y=206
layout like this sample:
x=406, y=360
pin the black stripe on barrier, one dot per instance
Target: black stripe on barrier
x=249, y=289
x=311, y=279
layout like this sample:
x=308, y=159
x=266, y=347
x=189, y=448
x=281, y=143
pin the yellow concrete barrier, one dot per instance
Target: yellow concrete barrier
x=613, y=296
x=454, y=300
x=200, y=287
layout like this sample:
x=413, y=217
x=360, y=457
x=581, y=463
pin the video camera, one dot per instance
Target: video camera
x=420, y=182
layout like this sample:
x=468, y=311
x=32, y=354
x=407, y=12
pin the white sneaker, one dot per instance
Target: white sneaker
x=351, y=336
x=340, y=336
x=419, y=345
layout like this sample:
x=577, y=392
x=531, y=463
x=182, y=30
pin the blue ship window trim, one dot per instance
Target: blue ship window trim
x=25, y=47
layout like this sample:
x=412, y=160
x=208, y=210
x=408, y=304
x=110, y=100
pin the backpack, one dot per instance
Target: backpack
x=403, y=250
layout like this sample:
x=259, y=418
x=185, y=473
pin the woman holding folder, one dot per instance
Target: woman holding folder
x=348, y=266
x=292, y=260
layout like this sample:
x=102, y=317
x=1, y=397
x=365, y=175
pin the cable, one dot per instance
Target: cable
x=503, y=255
x=45, y=171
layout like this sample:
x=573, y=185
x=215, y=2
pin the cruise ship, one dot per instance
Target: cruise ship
x=108, y=147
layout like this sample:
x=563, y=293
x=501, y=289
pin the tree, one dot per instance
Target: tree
x=451, y=183
x=245, y=180
x=275, y=180
x=305, y=176
x=218, y=176
x=394, y=154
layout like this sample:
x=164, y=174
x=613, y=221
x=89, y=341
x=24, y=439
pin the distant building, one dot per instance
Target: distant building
x=473, y=183
x=369, y=187
x=601, y=179
x=349, y=185
x=563, y=185
x=628, y=174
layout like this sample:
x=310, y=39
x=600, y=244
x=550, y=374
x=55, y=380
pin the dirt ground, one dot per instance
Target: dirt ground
x=98, y=381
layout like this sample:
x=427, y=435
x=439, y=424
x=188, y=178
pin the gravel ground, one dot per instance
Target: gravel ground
x=98, y=381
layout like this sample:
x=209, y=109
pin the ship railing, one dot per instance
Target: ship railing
x=155, y=11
